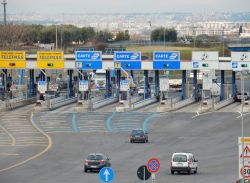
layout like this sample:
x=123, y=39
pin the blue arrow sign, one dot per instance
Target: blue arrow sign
x=88, y=56
x=167, y=56
x=127, y=56
x=234, y=65
x=106, y=174
x=195, y=65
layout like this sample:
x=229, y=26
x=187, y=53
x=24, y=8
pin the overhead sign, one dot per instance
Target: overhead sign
x=166, y=56
x=244, y=169
x=88, y=56
x=124, y=85
x=127, y=56
x=42, y=86
x=240, y=56
x=12, y=59
x=50, y=60
x=153, y=165
x=205, y=56
x=106, y=174
x=143, y=173
x=83, y=85
x=164, y=84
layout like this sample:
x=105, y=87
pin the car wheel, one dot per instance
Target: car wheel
x=189, y=172
x=172, y=172
x=131, y=141
x=85, y=170
x=178, y=172
x=196, y=170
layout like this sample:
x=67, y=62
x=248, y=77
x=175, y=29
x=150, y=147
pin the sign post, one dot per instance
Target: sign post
x=143, y=173
x=153, y=166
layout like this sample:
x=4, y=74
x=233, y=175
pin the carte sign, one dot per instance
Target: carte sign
x=166, y=56
x=12, y=59
x=127, y=56
x=88, y=56
x=244, y=169
x=50, y=60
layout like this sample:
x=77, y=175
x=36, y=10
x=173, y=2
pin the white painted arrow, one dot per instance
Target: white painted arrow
x=106, y=174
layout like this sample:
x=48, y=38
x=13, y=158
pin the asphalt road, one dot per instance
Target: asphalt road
x=211, y=137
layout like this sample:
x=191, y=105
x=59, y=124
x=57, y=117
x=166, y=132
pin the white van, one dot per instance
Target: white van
x=183, y=162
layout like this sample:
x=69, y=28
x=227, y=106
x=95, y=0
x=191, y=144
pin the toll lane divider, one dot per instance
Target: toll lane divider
x=183, y=103
x=74, y=127
x=143, y=103
x=146, y=121
x=18, y=102
x=108, y=122
x=223, y=103
x=54, y=103
x=102, y=103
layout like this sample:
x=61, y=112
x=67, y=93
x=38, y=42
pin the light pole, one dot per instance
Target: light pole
x=164, y=29
x=223, y=42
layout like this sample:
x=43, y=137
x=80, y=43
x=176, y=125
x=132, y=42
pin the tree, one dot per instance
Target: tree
x=159, y=35
x=103, y=36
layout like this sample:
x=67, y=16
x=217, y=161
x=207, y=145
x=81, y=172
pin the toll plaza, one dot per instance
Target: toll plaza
x=58, y=79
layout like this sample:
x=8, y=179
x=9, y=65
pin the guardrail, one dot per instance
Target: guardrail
x=96, y=99
x=19, y=102
x=223, y=103
x=104, y=102
x=136, y=99
x=59, y=102
x=183, y=103
x=171, y=101
x=143, y=103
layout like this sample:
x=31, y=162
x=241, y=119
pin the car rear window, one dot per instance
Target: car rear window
x=137, y=132
x=180, y=158
x=95, y=157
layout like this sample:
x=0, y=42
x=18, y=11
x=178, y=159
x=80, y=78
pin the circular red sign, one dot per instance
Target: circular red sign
x=247, y=172
x=153, y=165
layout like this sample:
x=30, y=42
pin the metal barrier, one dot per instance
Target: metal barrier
x=143, y=103
x=96, y=99
x=171, y=101
x=19, y=102
x=104, y=102
x=136, y=99
x=223, y=103
x=183, y=103
x=59, y=102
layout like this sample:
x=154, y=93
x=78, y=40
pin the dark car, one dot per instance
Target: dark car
x=96, y=161
x=138, y=136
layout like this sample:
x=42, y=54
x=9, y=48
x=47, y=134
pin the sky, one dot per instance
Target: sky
x=125, y=6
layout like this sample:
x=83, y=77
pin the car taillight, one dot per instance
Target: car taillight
x=86, y=162
x=102, y=162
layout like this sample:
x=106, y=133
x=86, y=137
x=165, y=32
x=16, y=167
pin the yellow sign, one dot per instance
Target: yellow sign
x=50, y=56
x=245, y=139
x=12, y=59
x=50, y=60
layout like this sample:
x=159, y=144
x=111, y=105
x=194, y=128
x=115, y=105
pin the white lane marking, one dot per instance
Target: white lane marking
x=13, y=140
x=244, y=114
x=196, y=115
x=8, y=154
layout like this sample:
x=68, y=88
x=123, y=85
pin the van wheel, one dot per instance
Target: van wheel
x=172, y=172
x=196, y=170
x=85, y=170
x=189, y=172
